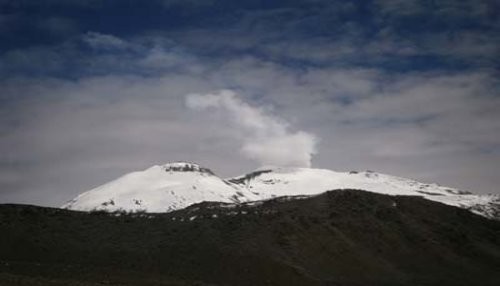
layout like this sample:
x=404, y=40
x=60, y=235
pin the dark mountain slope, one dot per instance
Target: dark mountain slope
x=339, y=238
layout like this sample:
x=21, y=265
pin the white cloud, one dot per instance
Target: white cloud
x=62, y=137
x=268, y=139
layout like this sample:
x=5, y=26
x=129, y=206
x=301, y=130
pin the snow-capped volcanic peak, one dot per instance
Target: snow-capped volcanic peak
x=173, y=186
x=161, y=188
x=300, y=181
x=269, y=183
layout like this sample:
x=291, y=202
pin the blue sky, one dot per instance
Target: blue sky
x=92, y=89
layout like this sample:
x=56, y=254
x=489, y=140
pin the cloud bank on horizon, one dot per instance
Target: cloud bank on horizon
x=266, y=138
x=409, y=88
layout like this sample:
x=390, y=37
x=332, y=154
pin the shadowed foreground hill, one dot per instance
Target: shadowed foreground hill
x=339, y=238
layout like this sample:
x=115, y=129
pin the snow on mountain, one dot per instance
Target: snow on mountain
x=276, y=182
x=160, y=189
x=177, y=185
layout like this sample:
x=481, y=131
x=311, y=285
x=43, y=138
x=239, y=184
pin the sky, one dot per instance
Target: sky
x=93, y=89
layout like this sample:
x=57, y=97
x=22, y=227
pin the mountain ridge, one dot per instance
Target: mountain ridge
x=173, y=186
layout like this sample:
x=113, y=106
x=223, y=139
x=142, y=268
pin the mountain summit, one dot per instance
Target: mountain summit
x=160, y=188
x=173, y=186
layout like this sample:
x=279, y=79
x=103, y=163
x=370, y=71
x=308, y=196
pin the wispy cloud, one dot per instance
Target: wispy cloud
x=104, y=41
